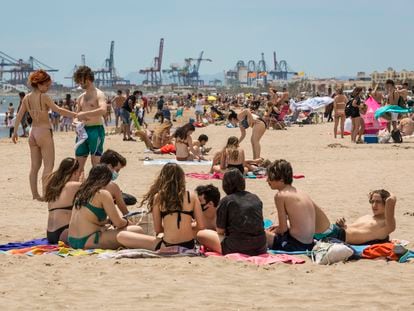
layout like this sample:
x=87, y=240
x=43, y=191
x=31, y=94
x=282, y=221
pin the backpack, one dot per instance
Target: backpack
x=396, y=136
x=348, y=108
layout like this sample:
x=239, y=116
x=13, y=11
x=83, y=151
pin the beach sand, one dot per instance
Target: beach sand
x=338, y=178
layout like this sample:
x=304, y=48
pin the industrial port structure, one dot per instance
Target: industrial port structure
x=251, y=74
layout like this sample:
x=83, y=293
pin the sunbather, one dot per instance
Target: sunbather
x=368, y=229
x=209, y=197
x=61, y=187
x=239, y=225
x=93, y=213
x=292, y=206
x=173, y=210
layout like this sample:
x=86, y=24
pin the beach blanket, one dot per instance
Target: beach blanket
x=206, y=176
x=172, y=251
x=392, y=108
x=165, y=161
x=17, y=245
x=264, y=259
x=313, y=103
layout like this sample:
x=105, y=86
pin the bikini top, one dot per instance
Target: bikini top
x=34, y=113
x=189, y=213
x=69, y=208
x=99, y=212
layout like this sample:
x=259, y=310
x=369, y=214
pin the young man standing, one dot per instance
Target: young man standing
x=393, y=99
x=292, y=205
x=117, y=102
x=90, y=109
x=199, y=109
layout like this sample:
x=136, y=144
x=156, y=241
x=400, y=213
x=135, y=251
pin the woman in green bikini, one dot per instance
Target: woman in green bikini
x=94, y=212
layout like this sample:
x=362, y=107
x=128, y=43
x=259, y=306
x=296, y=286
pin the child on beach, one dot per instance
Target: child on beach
x=239, y=222
x=173, y=209
x=232, y=155
x=295, y=209
x=199, y=146
x=368, y=229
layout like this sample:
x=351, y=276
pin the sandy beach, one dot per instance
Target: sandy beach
x=338, y=176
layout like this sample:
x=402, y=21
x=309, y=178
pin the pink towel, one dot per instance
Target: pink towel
x=264, y=259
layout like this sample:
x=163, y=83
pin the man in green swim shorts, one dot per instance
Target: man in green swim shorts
x=91, y=107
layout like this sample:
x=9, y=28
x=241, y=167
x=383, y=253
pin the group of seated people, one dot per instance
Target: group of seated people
x=91, y=213
x=161, y=141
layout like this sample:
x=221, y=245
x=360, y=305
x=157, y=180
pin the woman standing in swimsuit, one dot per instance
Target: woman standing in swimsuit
x=184, y=143
x=60, y=191
x=94, y=211
x=41, y=144
x=339, y=104
x=356, y=116
x=173, y=209
x=248, y=119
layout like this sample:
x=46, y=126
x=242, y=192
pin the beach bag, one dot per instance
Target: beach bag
x=348, y=108
x=396, y=136
x=324, y=253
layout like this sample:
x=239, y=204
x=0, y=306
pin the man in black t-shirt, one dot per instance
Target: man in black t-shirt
x=126, y=109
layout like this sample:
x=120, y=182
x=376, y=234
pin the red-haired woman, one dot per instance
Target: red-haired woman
x=42, y=148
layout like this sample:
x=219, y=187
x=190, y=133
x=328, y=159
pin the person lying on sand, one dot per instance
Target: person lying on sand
x=292, y=206
x=368, y=229
x=209, y=197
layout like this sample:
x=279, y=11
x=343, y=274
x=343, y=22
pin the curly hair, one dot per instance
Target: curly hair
x=382, y=192
x=38, y=77
x=99, y=176
x=57, y=180
x=170, y=186
x=281, y=170
x=82, y=74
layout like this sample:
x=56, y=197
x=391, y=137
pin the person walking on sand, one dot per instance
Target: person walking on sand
x=339, y=104
x=42, y=148
x=91, y=108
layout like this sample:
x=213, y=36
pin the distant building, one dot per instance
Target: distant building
x=402, y=76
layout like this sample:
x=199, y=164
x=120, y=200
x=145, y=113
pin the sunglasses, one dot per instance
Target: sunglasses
x=376, y=201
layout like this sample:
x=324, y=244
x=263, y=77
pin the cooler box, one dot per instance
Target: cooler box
x=371, y=139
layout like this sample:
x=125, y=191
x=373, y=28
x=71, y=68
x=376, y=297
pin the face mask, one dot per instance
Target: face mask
x=114, y=175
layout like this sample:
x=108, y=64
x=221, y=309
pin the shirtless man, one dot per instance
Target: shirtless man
x=368, y=229
x=393, y=99
x=199, y=146
x=209, y=197
x=403, y=91
x=292, y=206
x=91, y=109
x=376, y=94
x=117, y=103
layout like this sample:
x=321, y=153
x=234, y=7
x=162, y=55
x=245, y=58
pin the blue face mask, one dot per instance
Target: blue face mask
x=114, y=175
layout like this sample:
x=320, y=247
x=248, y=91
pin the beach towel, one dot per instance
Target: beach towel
x=264, y=259
x=206, y=176
x=392, y=108
x=313, y=103
x=171, y=251
x=165, y=161
x=17, y=245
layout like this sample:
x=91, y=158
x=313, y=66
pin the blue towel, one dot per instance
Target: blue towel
x=18, y=245
x=406, y=256
x=395, y=109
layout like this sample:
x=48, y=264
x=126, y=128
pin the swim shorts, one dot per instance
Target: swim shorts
x=334, y=231
x=125, y=116
x=117, y=112
x=286, y=242
x=94, y=144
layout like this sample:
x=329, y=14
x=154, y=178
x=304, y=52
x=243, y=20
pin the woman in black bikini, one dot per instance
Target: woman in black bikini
x=173, y=210
x=232, y=156
x=60, y=191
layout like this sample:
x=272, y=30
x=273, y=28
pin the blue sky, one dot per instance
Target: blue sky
x=320, y=37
